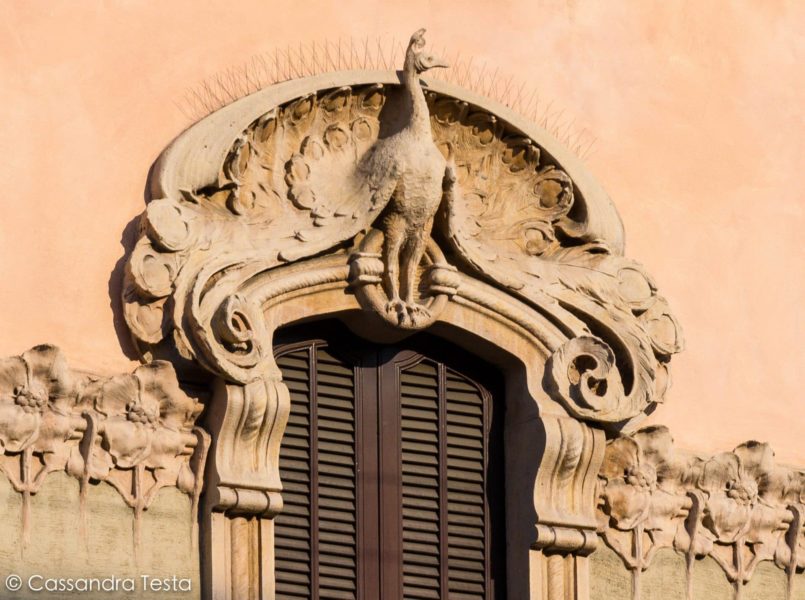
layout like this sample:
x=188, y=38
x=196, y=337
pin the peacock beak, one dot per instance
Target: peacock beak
x=425, y=62
x=438, y=63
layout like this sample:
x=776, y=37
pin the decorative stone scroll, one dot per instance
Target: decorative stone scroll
x=738, y=507
x=313, y=172
x=408, y=201
x=136, y=432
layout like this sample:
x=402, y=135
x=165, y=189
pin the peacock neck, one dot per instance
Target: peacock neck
x=420, y=118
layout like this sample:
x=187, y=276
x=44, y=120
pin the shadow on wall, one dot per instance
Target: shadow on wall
x=128, y=239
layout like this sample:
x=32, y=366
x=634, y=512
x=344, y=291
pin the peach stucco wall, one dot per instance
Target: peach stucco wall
x=698, y=109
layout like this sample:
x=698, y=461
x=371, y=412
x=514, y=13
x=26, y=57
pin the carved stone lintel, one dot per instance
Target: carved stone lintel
x=135, y=431
x=737, y=507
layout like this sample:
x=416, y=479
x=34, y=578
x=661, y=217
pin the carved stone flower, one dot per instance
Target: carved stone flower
x=630, y=482
x=732, y=494
x=29, y=384
x=19, y=424
x=127, y=420
x=31, y=398
x=173, y=436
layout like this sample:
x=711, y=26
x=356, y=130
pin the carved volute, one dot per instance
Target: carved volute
x=380, y=195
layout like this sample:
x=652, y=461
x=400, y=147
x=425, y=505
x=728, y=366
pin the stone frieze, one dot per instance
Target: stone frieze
x=135, y=431
x=739, y=507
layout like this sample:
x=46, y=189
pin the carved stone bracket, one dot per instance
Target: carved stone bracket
x=564, y=495
x=136, y=432
x=564, y=499
x=245, y=478
x=737, y=507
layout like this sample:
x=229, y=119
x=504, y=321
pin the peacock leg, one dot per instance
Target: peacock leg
x=412, y=255
x=394, y=236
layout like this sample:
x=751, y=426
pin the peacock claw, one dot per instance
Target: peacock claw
x=395, y=306
x=416, y=309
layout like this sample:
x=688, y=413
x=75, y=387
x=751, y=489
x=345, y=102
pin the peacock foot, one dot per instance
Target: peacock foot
x=415, y=314
x=407, y=313
x=396, y=307
x=416, y=310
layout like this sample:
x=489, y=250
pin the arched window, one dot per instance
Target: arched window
x=392, y=467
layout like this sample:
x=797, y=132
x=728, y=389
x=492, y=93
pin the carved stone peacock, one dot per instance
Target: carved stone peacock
x=349, y=177
x=415, y=174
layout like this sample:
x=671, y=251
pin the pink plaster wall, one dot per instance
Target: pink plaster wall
x=697, y=108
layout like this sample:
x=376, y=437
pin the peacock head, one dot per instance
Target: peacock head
x=417, y=58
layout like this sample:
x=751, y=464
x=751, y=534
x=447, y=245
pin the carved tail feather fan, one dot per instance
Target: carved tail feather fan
x=516, y=218
x=293, y=182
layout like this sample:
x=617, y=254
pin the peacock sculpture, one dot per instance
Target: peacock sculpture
x=416, y=175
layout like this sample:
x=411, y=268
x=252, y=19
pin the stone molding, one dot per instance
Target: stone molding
x=739, y=507
x=134, y=431
x=542, y=232
x=397, y=205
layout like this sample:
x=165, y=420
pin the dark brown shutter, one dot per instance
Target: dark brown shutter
x=416, y=514
x=419, y=443
x=465, y=420
x=315, y=535
x=443, y=457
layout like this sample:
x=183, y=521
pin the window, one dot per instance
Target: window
x=392, y=466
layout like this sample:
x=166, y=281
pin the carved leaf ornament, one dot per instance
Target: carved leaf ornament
x=305, y=169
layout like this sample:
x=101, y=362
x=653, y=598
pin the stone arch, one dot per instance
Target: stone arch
x=271, y=211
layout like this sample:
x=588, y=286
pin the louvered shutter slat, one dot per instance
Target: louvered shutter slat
x=466, y=536
x=328, y=570
x=335, y=405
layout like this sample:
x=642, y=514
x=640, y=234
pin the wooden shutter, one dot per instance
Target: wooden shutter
x=415, y=521
x=315, y=535
x=420, y=481
x=467, y=520
x=443, y=418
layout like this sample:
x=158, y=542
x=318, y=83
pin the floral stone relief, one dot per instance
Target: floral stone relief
x=135, y=431
x=738, y=507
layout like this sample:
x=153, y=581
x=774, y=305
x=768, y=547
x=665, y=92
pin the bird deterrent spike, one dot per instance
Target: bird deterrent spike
x=306, y=60
x=492, y=83
x=507, y=91
x=467, y=70
x=365, y=52
x=517, y=103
